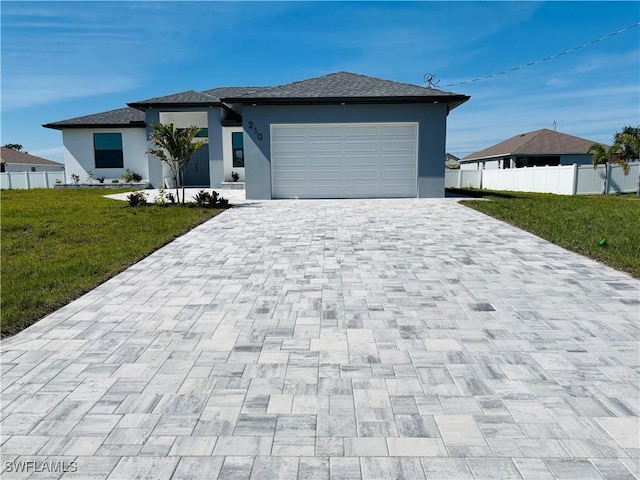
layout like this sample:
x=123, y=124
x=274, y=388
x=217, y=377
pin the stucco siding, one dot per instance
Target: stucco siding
x=25, y=167
x=580, y=159
x=257, y=121
x=227, y=154
x=79, y=156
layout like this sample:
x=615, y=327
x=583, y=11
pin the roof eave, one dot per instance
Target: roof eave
x=55, y=126
x=143, y=106
x=452, y=100
x=521, y=154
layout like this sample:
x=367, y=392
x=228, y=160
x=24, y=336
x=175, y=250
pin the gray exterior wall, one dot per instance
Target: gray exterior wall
x=492, y=163
x=155, y=166
x=431, y=118
x=580, y=159
x=216, y=166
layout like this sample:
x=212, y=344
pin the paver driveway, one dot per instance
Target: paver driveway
x=377, y=339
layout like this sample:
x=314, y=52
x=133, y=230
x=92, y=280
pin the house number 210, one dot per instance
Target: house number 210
x=255, y=130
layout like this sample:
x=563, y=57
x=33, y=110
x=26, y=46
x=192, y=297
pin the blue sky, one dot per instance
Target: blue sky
x=66, y=59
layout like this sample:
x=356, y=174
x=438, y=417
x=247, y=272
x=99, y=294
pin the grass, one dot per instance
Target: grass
x=58, y=244
x=577, y=223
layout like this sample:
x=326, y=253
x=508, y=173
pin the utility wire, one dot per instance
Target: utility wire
x=546, y=58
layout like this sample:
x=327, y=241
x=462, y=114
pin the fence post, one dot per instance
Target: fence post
x=608, y=179
x=28, y=180
x=576, y=172
x=460, y=178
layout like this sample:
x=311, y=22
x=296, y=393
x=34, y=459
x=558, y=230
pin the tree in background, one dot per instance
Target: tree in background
x=14, y=146
x=174, y=147
x=625, y=148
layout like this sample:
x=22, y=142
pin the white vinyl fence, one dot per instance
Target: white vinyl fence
x=24, y=180
x=563, y=179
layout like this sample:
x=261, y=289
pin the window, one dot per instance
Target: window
x=202, y=133
x=237, y=144
x=33, y=169
x=108, y=150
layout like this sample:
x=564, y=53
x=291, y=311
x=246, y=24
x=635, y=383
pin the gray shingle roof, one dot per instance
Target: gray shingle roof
x=542, y=141
x=340, y=86
x=122, y=117
x=345, y=85
x=190, y=97
x=225, y=92
x=8, y=155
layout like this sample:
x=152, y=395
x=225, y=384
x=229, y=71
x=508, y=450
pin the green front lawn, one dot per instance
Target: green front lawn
x=58, y=244
x=605, y=228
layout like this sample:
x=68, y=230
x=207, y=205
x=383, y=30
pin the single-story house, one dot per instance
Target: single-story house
x=451, y=162
x=341, y=135
x=16, y=161
x=537, y=148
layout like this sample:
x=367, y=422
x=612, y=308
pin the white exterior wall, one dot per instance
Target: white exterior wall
x=184, y=119
x=79, y=157
x=24, y=167
x=227, y=154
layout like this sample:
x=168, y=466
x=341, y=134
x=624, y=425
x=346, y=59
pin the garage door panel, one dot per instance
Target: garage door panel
x=370, y=130
x=361, y=160
x=344, y=161
x=398, y=146
x=328, y=148
x=361, y=146
x=398, y=130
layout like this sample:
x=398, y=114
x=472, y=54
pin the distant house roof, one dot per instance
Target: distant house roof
x=190, y=97
x=538, y=142
x=8, y=155
x=350, y=87
x=451, y=161
x=123, y=117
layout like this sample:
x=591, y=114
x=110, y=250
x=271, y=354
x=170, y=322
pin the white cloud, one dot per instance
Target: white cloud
x=28, y=90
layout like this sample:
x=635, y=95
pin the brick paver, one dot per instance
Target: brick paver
x=372, y=339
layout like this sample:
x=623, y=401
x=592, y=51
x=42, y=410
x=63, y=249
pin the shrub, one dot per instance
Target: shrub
x=235, y=176
x=100, y=179
x=75, y=177
x=131, y=177
x=202, y=198
x=137, y=199
x=171, y=197
x=205, y=199
x=161, y=199
x=115, y=180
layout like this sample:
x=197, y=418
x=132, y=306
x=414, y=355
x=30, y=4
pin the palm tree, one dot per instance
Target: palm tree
x=627, y=144
x=601, y=156
x=174, y=147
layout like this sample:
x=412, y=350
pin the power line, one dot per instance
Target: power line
x=550, y=57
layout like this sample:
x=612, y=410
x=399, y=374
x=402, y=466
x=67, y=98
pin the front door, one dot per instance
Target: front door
x=197, y=172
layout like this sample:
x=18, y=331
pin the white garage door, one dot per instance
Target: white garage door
x=344, y=160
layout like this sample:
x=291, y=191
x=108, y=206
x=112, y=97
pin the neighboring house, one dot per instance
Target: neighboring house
x=451, y=162
x=340, y=135
x=15, y=161
x=537, y=148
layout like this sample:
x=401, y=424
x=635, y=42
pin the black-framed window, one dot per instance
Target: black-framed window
x=108, y=150
x=237, y=144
